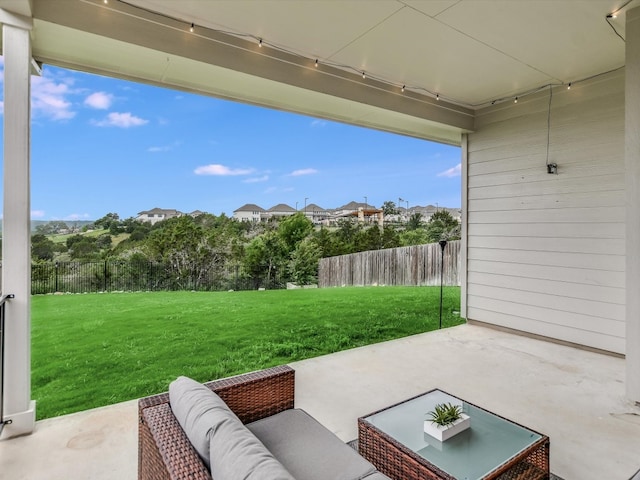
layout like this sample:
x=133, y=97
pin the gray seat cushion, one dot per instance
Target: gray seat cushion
x=236, y=454
x=198, y=410
x=225, y=445
x=307, y=449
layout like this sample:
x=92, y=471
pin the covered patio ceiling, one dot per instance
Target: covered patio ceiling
x=452, y=56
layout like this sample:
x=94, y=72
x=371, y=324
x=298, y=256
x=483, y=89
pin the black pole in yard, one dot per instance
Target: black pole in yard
x=443, y=243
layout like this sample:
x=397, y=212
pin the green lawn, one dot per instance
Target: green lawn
x=96, y=349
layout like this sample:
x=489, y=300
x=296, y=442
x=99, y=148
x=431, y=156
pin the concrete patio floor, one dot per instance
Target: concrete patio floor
x=574, y=396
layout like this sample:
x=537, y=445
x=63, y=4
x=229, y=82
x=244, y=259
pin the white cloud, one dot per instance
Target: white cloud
x=271, y=190
x=37, y=213
x=303, y=171
x=163, y=148
x=318, y=123
x=222, y=170
x=99, y=100
x=77, y=216
x=264, y=178
x=452, y=172
x=49, y=98
x=121, y=120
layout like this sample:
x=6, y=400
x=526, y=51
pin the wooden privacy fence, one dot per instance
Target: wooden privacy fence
x=417, y=265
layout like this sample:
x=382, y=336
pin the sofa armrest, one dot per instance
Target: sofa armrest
x=164, y=452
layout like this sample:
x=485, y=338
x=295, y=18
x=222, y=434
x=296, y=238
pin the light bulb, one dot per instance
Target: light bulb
x=516, y=100
x=438, y=97
x=191, y=28
x=316, y=63
x=260, y=43
x=569, y=86
x=402, y=90
x=363, y=75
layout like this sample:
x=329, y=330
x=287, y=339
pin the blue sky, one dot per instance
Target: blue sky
x=104, y=145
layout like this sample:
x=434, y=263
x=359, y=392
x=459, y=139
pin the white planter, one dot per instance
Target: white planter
x=443, y=433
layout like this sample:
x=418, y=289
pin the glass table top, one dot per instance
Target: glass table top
x=470, y=455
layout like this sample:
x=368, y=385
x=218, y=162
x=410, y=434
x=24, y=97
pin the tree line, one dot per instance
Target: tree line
x=270, y=253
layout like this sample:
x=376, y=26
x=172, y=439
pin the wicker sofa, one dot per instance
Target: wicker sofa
x=264, y=402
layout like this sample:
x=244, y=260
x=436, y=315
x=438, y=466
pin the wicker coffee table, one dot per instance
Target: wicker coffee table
x=492, y=448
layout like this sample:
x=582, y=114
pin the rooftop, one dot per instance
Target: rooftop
x=574, y=396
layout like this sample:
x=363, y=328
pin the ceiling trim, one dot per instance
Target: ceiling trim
x=135, y=26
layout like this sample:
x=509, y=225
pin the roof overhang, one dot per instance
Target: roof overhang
x=453, y=56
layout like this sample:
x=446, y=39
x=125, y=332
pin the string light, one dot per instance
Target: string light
x=383, y=80
x=402, y=89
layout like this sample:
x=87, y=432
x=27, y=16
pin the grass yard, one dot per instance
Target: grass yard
x=97, y=349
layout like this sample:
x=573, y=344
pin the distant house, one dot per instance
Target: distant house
x=250, y=213
x=156, y=215
x=429, y=210
x=196, y=213
x=316, y=213
x=281, y=210
x=350, y=208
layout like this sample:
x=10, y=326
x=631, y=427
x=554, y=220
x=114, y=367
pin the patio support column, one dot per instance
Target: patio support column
x=464, y=230
x=632, y=187
x=16, y=229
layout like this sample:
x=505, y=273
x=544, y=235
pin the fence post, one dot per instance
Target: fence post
x=105, y=276
x=56, y=277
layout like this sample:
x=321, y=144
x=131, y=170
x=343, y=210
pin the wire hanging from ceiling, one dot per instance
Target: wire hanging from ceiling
x=614, y=14
x=367, y=78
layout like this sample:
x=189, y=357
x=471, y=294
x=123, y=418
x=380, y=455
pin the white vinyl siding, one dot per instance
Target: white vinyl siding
x=546, y=253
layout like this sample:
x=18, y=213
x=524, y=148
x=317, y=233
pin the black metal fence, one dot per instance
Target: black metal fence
x=111, y=276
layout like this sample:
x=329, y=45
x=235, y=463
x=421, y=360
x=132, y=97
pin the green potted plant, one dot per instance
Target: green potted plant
x=445, y=421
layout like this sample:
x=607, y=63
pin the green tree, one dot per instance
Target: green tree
x=294, y=229
x=414, y=237
x=415, y=221
x=104, y=241
x=106, y=221
x=389, y=208
x=71, y=241
x=84, y=249
x=303, y=266
x=390, y=237
x=346, y=235
x=139, y=233
x=189, y=251
x=42, y=248
x=44, y=229
x=442, y=226
x=266, y=258
x=326, y=242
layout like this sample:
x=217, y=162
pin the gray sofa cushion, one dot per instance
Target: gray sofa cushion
x=198, y=410
x=307, y=449
x=236, y=454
